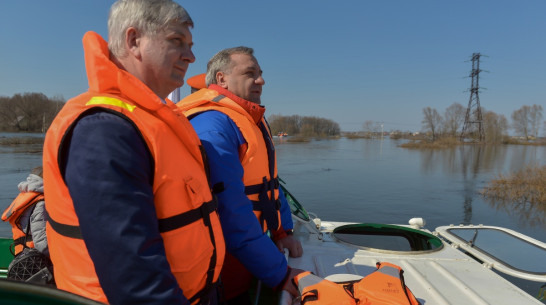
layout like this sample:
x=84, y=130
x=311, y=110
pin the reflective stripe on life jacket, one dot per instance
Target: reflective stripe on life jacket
x=258, y=161
x=23, y=202
x=384, y=286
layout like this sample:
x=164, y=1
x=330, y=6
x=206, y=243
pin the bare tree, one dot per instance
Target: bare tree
x=535, y=117
x=370, y=128
x=454, y=119
x=520, y=121
x=526, y=120
x=495, y=127
x=432, y=122
x=28, y=112
x=9, y=114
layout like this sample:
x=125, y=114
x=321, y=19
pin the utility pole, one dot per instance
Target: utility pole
x=474, y=111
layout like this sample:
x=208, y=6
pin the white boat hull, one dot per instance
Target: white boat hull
x=444, y=276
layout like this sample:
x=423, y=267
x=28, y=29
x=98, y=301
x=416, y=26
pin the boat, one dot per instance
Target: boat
x=453, y=264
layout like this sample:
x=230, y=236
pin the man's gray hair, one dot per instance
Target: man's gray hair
x=221, y=62
x=147, y=16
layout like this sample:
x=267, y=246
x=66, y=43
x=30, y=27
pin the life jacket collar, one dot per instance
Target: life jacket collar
x=256, y=111
x=106, y=77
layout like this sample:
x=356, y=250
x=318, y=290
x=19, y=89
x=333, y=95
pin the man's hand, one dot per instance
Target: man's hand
x=289, y=285
x=292, y=244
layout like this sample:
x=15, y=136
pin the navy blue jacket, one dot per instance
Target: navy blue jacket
x=109, y=174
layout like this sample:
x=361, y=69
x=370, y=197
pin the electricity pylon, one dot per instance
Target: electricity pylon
x=473, y=121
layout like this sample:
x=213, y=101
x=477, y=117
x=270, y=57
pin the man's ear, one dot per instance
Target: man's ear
x=132, y=42
x=221, y=79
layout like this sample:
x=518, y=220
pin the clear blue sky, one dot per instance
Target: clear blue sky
x=350, y=60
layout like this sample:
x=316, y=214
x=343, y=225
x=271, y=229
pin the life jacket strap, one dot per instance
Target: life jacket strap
x=22, y=240
x=189, y=217
x=272, y=184
x=165, y=224
x=64, y=229
x=204, y=293
x=309, y=296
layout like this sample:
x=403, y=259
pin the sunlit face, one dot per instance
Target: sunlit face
x=244, y=79
x=165, y=58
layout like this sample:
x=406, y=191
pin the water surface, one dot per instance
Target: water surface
x=377, y=181
x=361, y=180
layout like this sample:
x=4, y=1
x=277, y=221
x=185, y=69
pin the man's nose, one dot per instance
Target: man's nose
x=188, y=56
x=260, y=80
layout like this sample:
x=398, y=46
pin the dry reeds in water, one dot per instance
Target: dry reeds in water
x=522, y=194
x=525, y=186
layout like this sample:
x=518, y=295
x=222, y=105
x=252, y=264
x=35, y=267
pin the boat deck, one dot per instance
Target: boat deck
x=444, y=276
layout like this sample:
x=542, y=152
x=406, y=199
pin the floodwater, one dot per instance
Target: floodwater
x=377, y=181
x=361, y=180
x=374, y=181
x=16, y=162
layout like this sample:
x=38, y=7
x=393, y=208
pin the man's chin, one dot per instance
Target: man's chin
x=256, y=100
x=178, y=82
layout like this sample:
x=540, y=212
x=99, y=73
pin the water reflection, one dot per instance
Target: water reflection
x=472, y=161
x=376, y=181
x=529, y=215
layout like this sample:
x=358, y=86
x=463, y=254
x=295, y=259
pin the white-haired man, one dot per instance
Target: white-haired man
x=131, y=216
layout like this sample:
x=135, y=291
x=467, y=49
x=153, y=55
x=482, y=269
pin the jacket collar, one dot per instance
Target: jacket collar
x=256, y=111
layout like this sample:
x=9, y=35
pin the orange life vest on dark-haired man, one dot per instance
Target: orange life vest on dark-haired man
x=229, y=120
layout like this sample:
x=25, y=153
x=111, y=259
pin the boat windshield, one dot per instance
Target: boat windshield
x=507, y=248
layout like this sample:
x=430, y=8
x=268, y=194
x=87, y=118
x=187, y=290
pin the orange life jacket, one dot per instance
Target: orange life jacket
x=23, y=202
x=190, y=229
x=385, y=286
x=260, y=168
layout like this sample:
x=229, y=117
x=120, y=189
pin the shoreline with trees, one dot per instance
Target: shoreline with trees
x=34, y=112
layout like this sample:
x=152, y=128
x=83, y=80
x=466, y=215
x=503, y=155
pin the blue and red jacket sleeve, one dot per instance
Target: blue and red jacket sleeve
x=109, y=173
x=243, y=234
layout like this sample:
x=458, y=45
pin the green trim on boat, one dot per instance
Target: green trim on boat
x=5, y=256
x=295, y=206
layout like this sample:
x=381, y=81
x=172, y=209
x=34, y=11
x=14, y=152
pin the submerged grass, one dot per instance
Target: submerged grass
x=441, y=143
x=525, y=186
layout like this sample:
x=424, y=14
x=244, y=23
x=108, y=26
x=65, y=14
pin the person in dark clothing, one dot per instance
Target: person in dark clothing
x=132, y=219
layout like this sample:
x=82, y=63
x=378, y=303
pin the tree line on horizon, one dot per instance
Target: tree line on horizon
x=28, y=112
x=34, y=112
x=304, y=126
x=526, y=123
